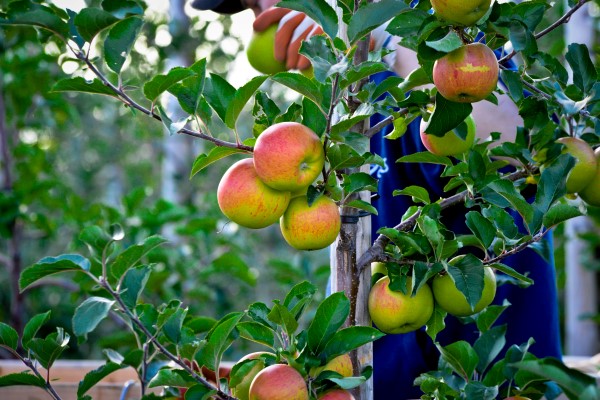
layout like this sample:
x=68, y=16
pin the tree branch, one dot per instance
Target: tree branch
x=562, y=20
x=125, y=98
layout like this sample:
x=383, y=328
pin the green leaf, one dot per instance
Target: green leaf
x=47, y=350
x=372, y=15
x=417, y=192
x=522, y=38
x=511, y=272
x=122, y=8
x=171, y=377
x=467, y=274
x=560, y=213
x=348, y=339
x=346, y=122
x=584, y=71
x=33, y=326
x=446, y=116
x=359, y=181
x=513, y=83
x=94, y=377
x=172, y=127
x=348, y=383
x=173, y=324
x=257, y=332
x=22, y=379
x=298, y=298
x=301, y=84
x=218, y=93
x=446, y=44
x=133, y=254
x=425, y=157
x=259, y=312
x=461, y=357
x=319, y=10
x=575, y=384
x=96, y=239
x=8, y=336
x=119, y=42
x=481, y=227
x=31, y=14
x=89, y=314
x=477, y=390
x=283, y=317
x=219, y=339
x=489, y=315
x=52, y=265
x=162, y=83
x=199, y=392
x=489, y=345
x=79, y=84
x=240, y=98
x=436, y=323
x=241, y=369
x=329, y=317
x=133, y=284
x=232, y=265
x=91, y=21
x=362, y=205
x=507, y=191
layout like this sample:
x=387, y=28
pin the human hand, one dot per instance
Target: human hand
x=293, y=28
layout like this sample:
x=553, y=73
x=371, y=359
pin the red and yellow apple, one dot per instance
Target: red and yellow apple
x=340, y=364
x=467, y=74
x=585, y=165
x=451, y=144
x=460, y=12
x=288, y=156
x=396, y=312
x=261, y=52
x=246, y=200
x=278, y=382
x=242, y=389
x=336, y=394
x=591, y=192
x=454, y=302
x=311, y=227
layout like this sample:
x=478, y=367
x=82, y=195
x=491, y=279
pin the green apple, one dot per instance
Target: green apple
x=591, y=192
x=288, y=156
x=451, y=144
x=246, y=200
x=311, y=227
x=378, y=268
x=454, y=302
x=278, y=382
x=585, y=166
x=395, y=312
x=467, y=74
x=261, y=52
x=461, y=12
x=336, y=394
x=340, y=364
x=242, y=390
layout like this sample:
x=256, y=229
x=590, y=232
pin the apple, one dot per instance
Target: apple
x=591, y=192
x=467, y=74
x=278, y=382
x=340, y=364
x=242, y=389
x=454, y=302
x=246, y=200
x=450, y=144
x=261, y=52
x=336, y=394
x=311, y=227
x=378, y=268
x=396, y=312
x=585, y=166
x=461, y=12
x=288, y=156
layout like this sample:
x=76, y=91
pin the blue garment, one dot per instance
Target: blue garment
x=399, y=359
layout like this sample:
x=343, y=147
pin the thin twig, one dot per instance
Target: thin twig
x=562, y=20
x=48, y=387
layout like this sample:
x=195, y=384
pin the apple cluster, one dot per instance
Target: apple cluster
x=284, y=382
x=396, y=312
x=272, y=186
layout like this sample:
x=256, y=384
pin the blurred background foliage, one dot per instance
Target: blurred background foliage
x=75, y=161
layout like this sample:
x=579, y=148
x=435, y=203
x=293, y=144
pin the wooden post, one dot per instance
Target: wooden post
x=353, y=241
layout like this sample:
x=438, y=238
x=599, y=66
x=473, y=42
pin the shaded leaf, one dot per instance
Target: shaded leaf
x=119, y=42
x=240, y=98
x=94, y=377
x=162, y=83
x=91, y=21
x=79, y=84
x=89, y=314
x=329, y=317
x=33, y=326
x=133, y=254
x=22, y=379
x=52, y=265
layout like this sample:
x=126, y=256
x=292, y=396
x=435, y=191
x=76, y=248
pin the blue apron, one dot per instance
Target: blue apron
x=399, y=359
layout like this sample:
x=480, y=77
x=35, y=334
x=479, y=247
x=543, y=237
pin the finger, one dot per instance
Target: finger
x=300, y=34
x=269, y=17
x=287, y=26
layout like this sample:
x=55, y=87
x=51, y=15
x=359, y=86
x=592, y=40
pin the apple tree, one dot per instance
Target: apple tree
x=336, y=104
